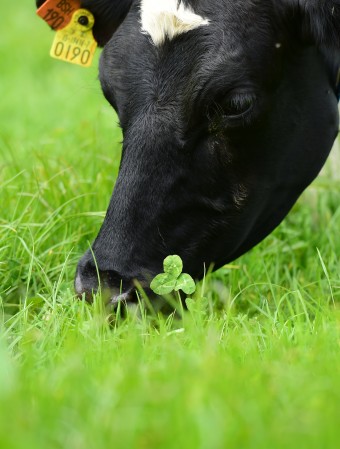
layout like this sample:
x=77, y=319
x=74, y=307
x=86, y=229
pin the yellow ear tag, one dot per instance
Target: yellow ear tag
x=75, y=43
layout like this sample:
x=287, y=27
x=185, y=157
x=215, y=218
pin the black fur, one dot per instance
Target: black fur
x=320, y=20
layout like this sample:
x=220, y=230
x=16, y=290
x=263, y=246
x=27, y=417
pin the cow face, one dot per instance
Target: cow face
x=228, y=111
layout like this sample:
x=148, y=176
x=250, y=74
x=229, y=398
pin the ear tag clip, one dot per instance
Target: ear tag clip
x=75, y=43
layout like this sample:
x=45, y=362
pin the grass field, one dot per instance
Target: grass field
x=254, y=363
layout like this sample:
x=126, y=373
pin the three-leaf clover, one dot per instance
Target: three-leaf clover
x=173, y=279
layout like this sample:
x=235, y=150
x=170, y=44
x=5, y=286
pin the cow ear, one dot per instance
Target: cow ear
x=320, y=20
x=108, y=14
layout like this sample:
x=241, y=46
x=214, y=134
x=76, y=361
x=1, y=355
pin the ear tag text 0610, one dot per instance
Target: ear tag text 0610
x=58, y=13
x=75, y=43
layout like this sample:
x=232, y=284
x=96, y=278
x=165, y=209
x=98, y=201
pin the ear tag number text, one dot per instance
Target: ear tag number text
x=75, y=43
x=58, y=13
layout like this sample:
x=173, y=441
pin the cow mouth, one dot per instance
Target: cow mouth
x=125, y=298
x=112, y=297
x=109, y=298
x=113, y=294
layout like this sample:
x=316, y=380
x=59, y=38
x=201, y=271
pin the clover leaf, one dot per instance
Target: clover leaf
x=173, y=279
x=163, y=284
x=186, y=283
x=173, y=265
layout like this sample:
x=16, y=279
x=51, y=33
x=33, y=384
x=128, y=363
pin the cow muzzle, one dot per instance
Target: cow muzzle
x=113, y=287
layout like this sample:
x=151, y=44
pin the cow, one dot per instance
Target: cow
x=228, y=110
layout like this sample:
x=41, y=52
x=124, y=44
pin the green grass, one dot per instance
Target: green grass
x=255, y=361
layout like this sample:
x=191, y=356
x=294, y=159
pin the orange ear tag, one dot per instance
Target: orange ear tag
x=75, y=43
x=58, y=13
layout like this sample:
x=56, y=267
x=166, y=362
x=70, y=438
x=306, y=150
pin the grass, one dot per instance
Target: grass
x=254, y=362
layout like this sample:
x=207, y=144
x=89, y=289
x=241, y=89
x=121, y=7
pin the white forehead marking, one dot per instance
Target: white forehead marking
x=168, y=18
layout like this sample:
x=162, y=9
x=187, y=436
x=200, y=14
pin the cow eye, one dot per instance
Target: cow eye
x=238, y=105
x=235, y=110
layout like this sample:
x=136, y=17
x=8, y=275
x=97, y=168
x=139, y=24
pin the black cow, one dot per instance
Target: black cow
x=228, y=110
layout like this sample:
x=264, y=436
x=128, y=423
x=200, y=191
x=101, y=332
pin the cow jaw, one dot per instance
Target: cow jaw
x=168, y=19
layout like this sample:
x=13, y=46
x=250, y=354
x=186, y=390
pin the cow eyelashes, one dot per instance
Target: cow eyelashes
x=238, y=105
x=234, y=110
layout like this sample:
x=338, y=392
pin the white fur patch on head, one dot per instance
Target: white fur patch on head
x=168, y=18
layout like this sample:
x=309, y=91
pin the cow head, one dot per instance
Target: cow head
x=228, y=110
